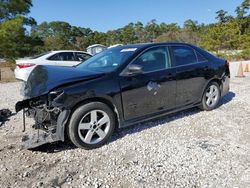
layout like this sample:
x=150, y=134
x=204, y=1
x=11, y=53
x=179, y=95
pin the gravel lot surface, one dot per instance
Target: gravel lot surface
x=188, y=149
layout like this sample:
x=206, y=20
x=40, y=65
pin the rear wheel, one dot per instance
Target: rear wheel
x=211, y=96
x=91, y=125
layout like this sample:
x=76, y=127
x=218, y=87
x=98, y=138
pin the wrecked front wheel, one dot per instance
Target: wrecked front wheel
x=91, y=125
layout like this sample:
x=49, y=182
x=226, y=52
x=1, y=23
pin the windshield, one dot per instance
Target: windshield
x=108, y=60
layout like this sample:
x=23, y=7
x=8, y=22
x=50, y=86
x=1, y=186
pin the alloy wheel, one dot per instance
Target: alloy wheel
x=94, y=126
x=212, y=96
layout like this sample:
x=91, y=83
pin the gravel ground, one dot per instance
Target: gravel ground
x=188, y=149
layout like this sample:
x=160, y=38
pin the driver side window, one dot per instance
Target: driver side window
x=154, y=59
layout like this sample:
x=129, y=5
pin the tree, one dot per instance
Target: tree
x=15, y=41
x=173, y=27
x=10, y=9
x=56, y=35
x=128, y=34
x=241, y=10
x=97, y=38
x=221, y=36
x=12, y=37
x=221, y=16
x=140, y=32
x=153, y=30
x=191, y=25
x=170, y=32
x=168, y=36
x=228, y=33
x=242, y=18
x=191, y=32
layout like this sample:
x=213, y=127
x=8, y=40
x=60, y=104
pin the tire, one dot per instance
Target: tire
x=91, y=125
x=211, y=96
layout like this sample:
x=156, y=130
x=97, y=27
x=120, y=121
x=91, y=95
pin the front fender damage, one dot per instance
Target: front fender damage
x=50, y=121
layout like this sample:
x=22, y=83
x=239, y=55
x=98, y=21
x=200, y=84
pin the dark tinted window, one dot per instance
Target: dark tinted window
x=200, y=57
x=184, y=55
x=154, y=59
x=63, y=56
x=82, y=56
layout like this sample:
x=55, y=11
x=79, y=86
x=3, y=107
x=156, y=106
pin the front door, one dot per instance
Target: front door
x=154, y=89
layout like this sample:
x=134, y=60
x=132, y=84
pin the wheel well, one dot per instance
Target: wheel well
x=218, y=82
x=102, y=100
x=213, y=80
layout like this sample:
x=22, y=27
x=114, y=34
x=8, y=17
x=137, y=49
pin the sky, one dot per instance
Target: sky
x=104, y=15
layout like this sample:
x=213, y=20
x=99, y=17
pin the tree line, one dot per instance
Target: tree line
x=21, y=36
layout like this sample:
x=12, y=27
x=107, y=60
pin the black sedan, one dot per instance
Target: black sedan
x=119, y=87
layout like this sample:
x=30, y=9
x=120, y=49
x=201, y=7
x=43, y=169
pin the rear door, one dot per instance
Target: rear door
x=153, y=90
x=192, y=69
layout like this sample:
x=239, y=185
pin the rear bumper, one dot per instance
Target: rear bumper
x=225, y=85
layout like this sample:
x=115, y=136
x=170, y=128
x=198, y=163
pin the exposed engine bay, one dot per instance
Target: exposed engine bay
x=49, y=117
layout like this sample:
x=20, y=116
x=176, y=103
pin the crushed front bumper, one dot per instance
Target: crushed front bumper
x=41, y=137
x=49, y=124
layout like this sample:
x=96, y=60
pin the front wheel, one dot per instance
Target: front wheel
x=211, y=96
x=91, y=125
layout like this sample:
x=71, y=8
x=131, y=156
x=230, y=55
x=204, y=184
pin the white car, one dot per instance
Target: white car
x=58, y=58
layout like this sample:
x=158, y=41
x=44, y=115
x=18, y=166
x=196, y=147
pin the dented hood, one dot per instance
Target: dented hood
x=45, y=78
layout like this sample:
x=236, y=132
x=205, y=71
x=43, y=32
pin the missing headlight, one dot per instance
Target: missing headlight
x=54, y=96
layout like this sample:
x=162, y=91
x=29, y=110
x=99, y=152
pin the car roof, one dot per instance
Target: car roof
x=95, y=45
x=69, y=51
x=142, y=45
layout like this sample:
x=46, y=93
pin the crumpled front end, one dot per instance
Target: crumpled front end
x=50, y=118
x=46, y=103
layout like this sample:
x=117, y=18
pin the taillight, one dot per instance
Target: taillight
x=25, y=65
x=227, y=67
x=227, y=64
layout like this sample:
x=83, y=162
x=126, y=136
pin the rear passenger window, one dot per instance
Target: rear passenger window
x=184, y=55
x=200, y=57
x=63, y=56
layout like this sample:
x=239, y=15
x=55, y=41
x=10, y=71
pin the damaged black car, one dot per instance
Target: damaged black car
x=121, y=86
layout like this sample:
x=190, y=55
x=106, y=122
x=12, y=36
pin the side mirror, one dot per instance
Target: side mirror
x=132, y=70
